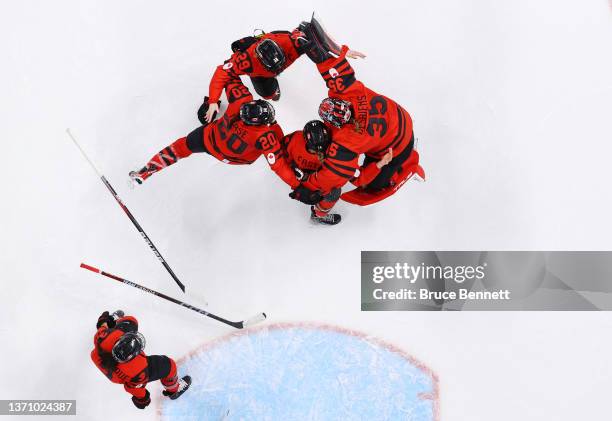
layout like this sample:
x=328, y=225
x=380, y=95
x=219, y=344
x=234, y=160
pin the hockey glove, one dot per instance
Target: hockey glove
x=203, y=109
x=105, y=318
x=142, y=403
x=305, y=195
x=243, y=44
x=300, y=41
x=117, y=314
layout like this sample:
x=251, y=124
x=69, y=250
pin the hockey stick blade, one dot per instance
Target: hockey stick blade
x=258, y=318
x=238, y=325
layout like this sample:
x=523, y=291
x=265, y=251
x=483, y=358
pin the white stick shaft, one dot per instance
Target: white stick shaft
x=83, y=152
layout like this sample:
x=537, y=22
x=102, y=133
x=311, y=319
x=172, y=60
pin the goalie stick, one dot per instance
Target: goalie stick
x=323, y=37
x=322, y=45
x=128, y=213
x=238, y=325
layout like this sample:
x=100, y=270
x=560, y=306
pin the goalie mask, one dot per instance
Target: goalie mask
x=270, y=55
x=317, y=137
x=257, y=113
x=335, y=111
x=128, y=347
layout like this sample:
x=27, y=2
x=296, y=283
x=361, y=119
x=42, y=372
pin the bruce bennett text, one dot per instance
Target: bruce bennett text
x=425, y=294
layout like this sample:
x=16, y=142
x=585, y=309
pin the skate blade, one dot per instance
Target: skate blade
x=321, y=224
x=131, y=183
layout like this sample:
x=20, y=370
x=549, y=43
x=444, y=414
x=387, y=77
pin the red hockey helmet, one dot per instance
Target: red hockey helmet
x=335, y=111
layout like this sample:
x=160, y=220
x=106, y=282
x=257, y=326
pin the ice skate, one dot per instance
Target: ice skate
x=141, y=175
x=324, y=218
x=184, y=384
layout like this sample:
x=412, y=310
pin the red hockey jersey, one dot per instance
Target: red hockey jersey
x=378, y=124
x=132, y=374
x=298, y=156
x=247, y=63
x=232, y=141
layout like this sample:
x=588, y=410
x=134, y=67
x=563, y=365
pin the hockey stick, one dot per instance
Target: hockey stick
x=327, y=42
x=238, y=325
x=129, y=214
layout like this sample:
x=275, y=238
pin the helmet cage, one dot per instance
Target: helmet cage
x=257, y=113
x=270, y=55
x=335, y=111
x=128, y=346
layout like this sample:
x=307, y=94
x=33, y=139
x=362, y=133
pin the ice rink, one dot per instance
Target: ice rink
x=512, y=105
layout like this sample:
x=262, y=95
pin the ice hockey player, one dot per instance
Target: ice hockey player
x=246, y=131
x=119, y=353
x=306, y=152
x=361, y=121
x=262, y=58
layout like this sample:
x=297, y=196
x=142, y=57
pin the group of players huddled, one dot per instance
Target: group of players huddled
x=315, y=162
x=318, y=160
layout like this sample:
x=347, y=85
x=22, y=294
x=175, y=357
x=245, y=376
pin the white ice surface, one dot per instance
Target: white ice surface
x=511, y=102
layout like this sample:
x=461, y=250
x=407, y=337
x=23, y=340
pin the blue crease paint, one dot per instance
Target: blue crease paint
x=302, y=373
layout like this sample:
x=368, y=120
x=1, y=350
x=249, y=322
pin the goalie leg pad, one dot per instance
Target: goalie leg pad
x=389, y=171
x=364, y=197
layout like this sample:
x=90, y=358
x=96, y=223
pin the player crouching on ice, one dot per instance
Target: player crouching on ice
x=118, y=353
x=361, y=121
x=247, y=130
x=306, y=152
